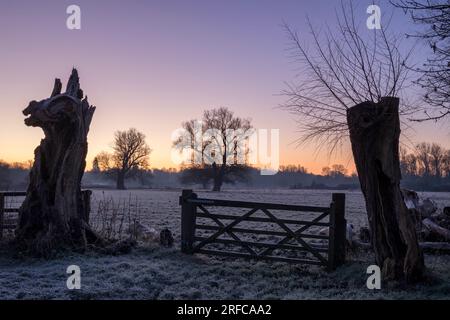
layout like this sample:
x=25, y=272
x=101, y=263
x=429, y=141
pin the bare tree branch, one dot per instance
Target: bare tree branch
x=343, y=68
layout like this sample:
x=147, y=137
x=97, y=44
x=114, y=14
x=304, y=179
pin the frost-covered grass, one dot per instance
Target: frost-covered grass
x=158, y=273
x=151, y=272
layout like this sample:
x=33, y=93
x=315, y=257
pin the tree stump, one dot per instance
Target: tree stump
x=54, y=213
x=166, y=238
x=374, y=134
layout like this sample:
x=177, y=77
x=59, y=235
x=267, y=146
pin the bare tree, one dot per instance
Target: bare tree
x=227, y=134
x=102, y=162
x=218, y=141
x=191, y=141
x=437, y=154
x=326, y=171
x=350, y=86
x=428, y=160
x=423, y=151
x=435, y=72
x=338, y=170
x=408, y=163
x=131, y=153
x=335, y=171
x=446, y=164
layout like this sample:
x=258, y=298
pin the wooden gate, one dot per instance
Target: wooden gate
x=10, y=223
x=292, y=233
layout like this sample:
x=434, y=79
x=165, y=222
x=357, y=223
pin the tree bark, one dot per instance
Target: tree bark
x=374, y=134
x=54, y=213
x=120, y=180
x=218, y=174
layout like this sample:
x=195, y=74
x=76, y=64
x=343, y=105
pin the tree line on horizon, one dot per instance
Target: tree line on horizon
x=425, y=168
x=428, y=164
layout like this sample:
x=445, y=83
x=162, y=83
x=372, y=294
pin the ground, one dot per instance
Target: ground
x=152, y=272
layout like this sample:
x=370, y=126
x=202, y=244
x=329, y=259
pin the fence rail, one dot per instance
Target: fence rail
x=12, y=223
x=294, y=240
x=3, y=210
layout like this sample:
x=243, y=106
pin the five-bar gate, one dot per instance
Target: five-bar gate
x=291, y=234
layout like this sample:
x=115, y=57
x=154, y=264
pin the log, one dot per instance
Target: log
x=435, y=246
x=443, y=247
x=435, y=228
x=374, y=135
x=362, y=244
x=55, y=213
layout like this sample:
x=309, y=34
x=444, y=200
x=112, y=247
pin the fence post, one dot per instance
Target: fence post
x=86, y=201
x=338, y=226
x=188, y=215
x=2, y=213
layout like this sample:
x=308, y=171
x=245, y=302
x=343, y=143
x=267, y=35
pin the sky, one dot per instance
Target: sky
x=154, y=64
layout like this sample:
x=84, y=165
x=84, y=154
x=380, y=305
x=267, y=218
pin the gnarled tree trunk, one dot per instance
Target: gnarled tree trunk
x=374, y=134
x=120, y=185
x=218, y=174
x=53, y=214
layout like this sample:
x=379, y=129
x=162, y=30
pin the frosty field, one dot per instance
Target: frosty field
x=152, y=272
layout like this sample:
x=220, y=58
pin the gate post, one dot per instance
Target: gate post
x=338, y=226
x=188, y=217
x=86, y=200
x=2, y=213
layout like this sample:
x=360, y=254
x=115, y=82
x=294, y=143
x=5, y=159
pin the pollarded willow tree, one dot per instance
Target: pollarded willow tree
x=352, y=80
x=53, y=214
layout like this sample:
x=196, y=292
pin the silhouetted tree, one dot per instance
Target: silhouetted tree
x=131, y=154
x=338, y=170
x=55, y=213
x=197, y=174
x=103, y=162
x=408, y=163
x=351, y=83
x=434, y=15
x=437, y=154
x=423, y=156
x=217, y=142
x=429, y=160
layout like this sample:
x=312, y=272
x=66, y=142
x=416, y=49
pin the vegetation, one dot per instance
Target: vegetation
x=217, y=146
x=434, y=74
x=427, y=167
x=351, y=86
x=130, y=156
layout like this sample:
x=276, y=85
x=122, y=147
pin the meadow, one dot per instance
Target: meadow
x=153, y=272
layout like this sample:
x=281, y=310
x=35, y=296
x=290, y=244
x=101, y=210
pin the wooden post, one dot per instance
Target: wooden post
x=2, y=213
x=188, y=215
x=338, y=225
x=86, y=200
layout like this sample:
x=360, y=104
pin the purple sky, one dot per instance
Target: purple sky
x=153, y=64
